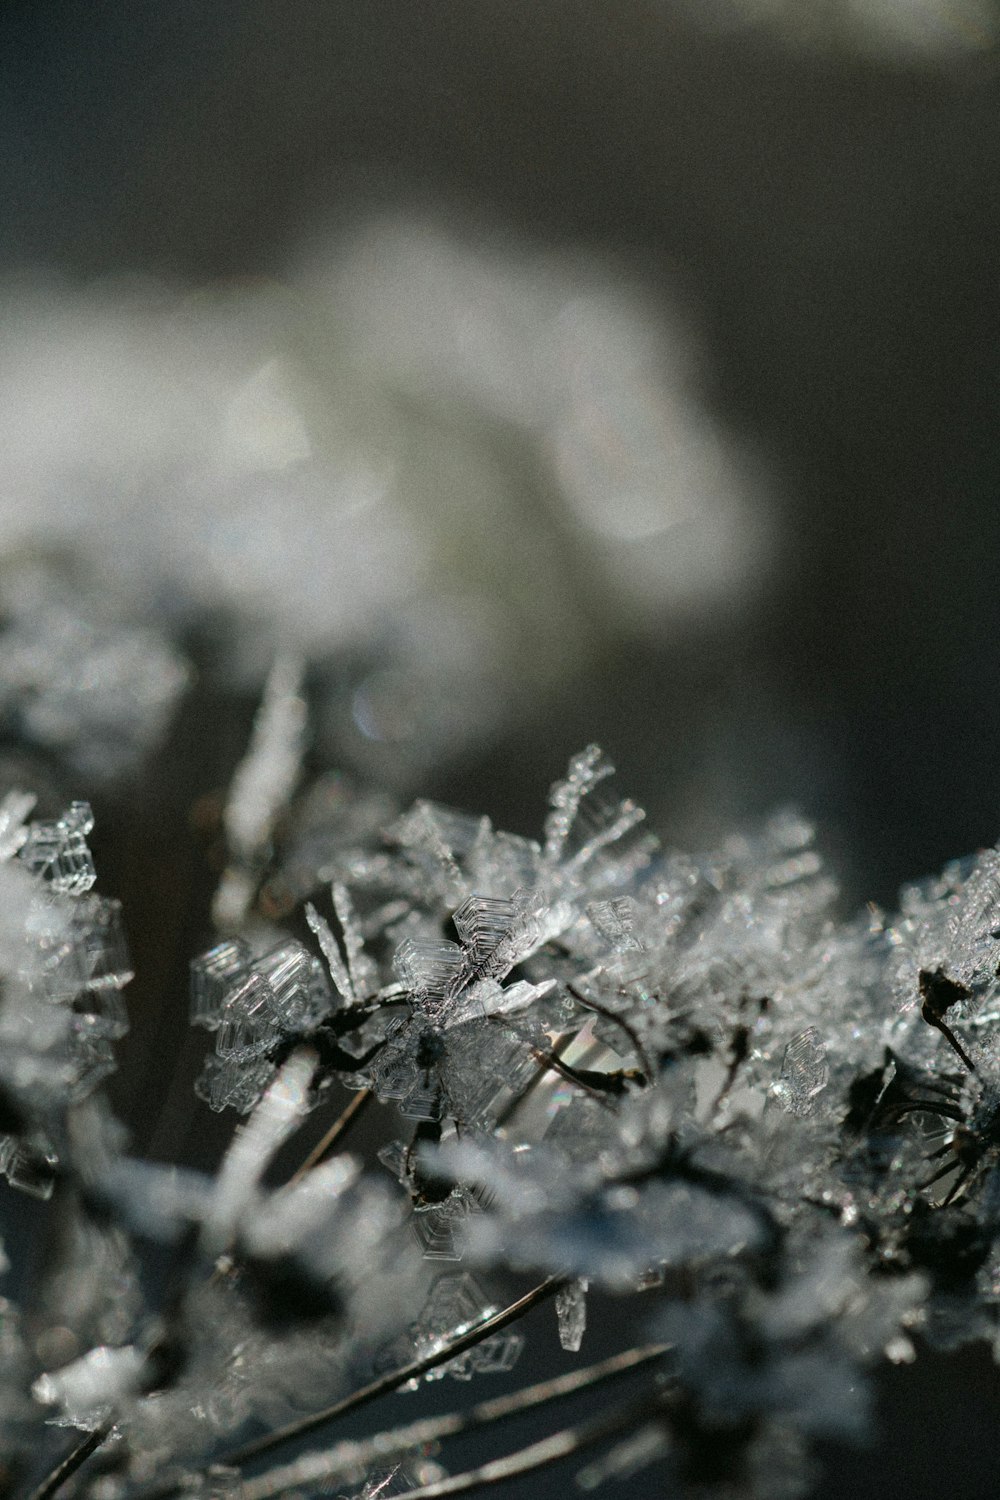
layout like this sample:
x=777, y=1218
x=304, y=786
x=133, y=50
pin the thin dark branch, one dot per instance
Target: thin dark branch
x=622, y=1024
x=539, y=1455
x=533, y=1082
x=393, y=1379
x=54, y=1481
x=551, y=1062
x=337, y=1130
x=928, y=1107
x=350, y=1457
x=958, y=1185
x=571, y=1075
x=935, y=1020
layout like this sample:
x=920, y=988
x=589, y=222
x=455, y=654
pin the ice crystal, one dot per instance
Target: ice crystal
x=58, y=851
x=804, y=1072
x=608, y=1066
x=213, y=976
x=98, y=691
x=88, y=1390
x=456, y=1304
x=261, y=787
x=571, y=1310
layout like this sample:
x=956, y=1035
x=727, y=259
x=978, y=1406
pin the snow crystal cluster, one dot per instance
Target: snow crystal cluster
x=609, y=1068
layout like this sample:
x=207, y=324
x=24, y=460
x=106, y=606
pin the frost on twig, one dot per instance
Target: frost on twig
x=260, y=789
x=609, y=1067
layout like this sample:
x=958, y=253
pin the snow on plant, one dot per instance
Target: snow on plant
x=679, y=1079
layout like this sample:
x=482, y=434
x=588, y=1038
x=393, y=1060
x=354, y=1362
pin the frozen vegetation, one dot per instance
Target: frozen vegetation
x=613, y=1068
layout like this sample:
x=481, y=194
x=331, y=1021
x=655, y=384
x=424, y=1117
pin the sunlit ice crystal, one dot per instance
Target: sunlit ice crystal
x=439, y=1228
x=496, y=1354
x=973, y=940
x=950, y=924
x=233, y=1082
x=601, y=822
x=456, y=1304
x=485, y=997
x=499, y=864
x=571, y=1312
x=79, y=944
x=385, y=1484
x=395, y=1074
x=360, y=1042
x=487, y=1068
x=615, y=922
x=354, y=974
x=260, y=790
x=453, y=1306
x=28, y=1166
x=444, y=834
x=96, y=923
x=301, y=995
x=362, y=971
x=431, y=971
x=88, y=1390
x=102, y=1013
x=804, y=1073
x=744, y=990
x=93, y=1059
x=395, y=1157
x=250, y=1020
x=339, y=972
x=58, y=850
x=577, y=1129
x=424, y=1100
x=268, y=772
x=482, y=923
x=585, y=771
x=540, y=918
x=213, y=976
x=588, y=817
x=54, y=960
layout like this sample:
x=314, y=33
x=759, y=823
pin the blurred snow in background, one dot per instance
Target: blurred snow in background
x=901, y=29
x=470, y=467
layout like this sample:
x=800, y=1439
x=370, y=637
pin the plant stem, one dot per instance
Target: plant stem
x=538, y=1455
x=385, y=1384
x=393, y=1379
x=54, y=1481
x=348, y=1458
x=339, y=1128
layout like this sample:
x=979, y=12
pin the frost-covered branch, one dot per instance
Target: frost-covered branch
x=613, y=1068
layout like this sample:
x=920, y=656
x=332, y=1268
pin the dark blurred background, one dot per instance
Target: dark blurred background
x=817, y=205
x=828, y=219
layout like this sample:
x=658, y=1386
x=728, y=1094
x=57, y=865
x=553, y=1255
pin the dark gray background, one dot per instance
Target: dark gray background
x=832, y=224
